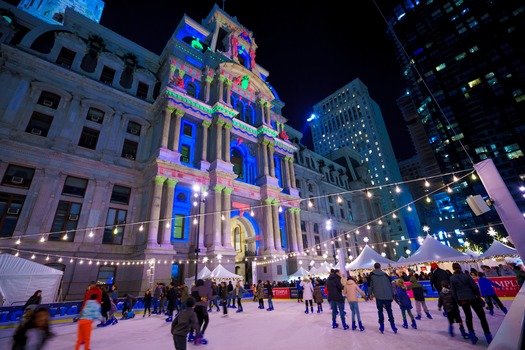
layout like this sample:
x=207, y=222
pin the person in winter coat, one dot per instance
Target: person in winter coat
x=269, y=292
x=185, y=321
x=238, y=293
x=437, y=276
x=520, y=275
x=467, y=293
x=486, y=287
x=223, y=295
x=105, y=307
x=147, y=303
x=216, y=297
x=403, y=300
x=419, y=296
x=156, y=298
x=308, y=294
x=172, y=300
x=90, y=313
x=450, y=306
x=318, y=297
x=35, y=333
x=335, y=297
x=202, y=292
x=381, y=288
x=230, y=295
x=184, y=294
x=260, y=294
x=351, y=290
x=114, y=294
x=299, y=291
x=35, y=299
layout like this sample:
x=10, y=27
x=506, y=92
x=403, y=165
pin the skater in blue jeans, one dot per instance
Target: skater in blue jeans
x=335, y=297
x=381, y=288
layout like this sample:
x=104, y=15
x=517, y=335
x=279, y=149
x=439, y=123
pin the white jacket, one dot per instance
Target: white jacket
x=308, y=290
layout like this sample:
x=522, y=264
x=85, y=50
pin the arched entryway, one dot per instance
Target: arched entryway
x=244, y=234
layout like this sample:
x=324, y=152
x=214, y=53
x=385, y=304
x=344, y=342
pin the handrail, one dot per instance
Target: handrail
x=511, y=330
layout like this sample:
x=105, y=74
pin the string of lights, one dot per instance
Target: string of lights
x=167, y=221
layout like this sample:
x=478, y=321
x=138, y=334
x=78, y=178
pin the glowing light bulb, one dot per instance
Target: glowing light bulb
x=280, y=209
x=91, y=234
x=454, y=178
x=428, y=199
x=18, y=241
x=409, y=208
x=47, y=259
x=398, y=190
x=449, y=190
x=380, y=222
x=394, y=215
x=427, y=184
x=33, y=256
x=141, y=228
x=195, y=221
x=42, y=239
x=59, y=259
x=369, y=194
x=339, y=200
x=474, y=177
x=71, y=260
x=383, y=254
x=310, y=204
x=168, y=224
x=115, y=230
x=252, y=213
x=368, y=227
x=17, y=254
x=222, y=217
x=64, y=237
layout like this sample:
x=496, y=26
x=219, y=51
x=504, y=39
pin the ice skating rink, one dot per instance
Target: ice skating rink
x=287, y=327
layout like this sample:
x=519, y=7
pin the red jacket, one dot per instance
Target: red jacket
x=95, y=290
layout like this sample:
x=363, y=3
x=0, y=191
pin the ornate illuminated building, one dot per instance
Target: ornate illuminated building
x=103, y=142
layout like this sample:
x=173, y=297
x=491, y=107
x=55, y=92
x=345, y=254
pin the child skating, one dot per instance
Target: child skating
x=318, y=298
x=90, y=313
x=419, y=296
x=403, y=300
x=451, y=307
x=350, y=290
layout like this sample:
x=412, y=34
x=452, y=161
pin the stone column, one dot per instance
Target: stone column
x=293, y=229
x=227, y=134
x=228, y=91
x=287, y=181
x=176, y=130
x=168, y=211
x=268, y=236
x=292, y=172
x=299, y=233
x=166, y=127
x=271, y=161
x=226, y=223
x=218, y=141
x=276, y=227
x=221, y=88
x=261, y=105
x=205, y=125
x=263, y=148
x=267, y=112
x=153, y=230
x=216, y=217
x=208, y=89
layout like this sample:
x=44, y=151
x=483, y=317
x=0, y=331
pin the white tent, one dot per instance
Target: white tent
x=401, y=259
x=498, y=249
x=313, y=270
x=472, y=253
x=367, y=258
x=221, y=274
x=203, y=274
x=432, y=250
x=300, y=273
x=21, y=278
x=324, y=269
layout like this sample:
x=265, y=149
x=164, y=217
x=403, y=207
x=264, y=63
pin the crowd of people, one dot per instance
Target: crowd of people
x=188, y=308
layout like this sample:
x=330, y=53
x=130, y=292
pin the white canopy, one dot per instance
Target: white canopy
x=498, y=249
x=324, y=269
x=432, y=250
x=337, y=266
x=203, y=274
x=401, y=259
x=221, y=274
x=313, y=270
x=21, y=278
x=300, y=273
x=367, y=258
x=472, y=254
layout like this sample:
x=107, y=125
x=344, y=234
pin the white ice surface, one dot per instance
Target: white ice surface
x=288, y=327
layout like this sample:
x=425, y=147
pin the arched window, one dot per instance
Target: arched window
x=237, y=238
x=239, y=107
x=191, y=90
x=238, y=164
x=249, y=115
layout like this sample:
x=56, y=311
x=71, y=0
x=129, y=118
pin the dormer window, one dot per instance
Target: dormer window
x=142, y=90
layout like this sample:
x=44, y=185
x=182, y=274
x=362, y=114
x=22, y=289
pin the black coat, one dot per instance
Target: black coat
x=335, y=288
x=172, y=296
x=33, y=300
x=147, y=300
x=105, y=305
x=436, y=277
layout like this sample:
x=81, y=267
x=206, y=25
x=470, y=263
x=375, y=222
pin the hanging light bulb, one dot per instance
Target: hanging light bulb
x=383, y=254
x=90, y=262
x=222, y=217
x=474, y=177
x=356, y=232
x=141, y=227
x=17, y=253
x=428, y=199
x=449, y=190
x=339, y=199
x=195, y=203
x=427, y=184
x=368, y=227
x=18, y=241
x=42, y=239
x=380, y=222
x=251, y=212
x=64, y=237
x=398, y=189
x=366, y=239
x=47, y=259
x=33, y=256
x=167, y=224
x=91, y=234
x=394, y=215
x=71, y=261
x=195, y=221
x=409, y=208
x=59, y=259
x=115, y=230
x=384, y=245
x=454, y=178
x=369, y=194
x=310, y=204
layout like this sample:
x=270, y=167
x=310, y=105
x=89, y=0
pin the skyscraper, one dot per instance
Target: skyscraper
x=350, y=117
x=464, y=66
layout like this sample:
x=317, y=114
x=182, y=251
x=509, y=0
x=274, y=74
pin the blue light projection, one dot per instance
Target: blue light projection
x=180, y=225
x=246, y=165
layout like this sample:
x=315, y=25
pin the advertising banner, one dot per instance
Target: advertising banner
x=281, y=293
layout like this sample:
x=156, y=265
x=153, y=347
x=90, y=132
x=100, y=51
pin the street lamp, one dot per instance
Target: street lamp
x=199, y=194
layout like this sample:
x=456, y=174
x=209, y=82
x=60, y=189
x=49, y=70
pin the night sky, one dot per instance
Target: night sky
x=310, y=49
